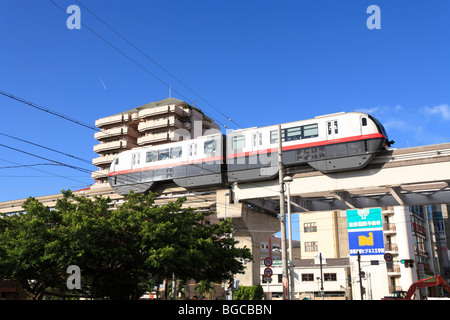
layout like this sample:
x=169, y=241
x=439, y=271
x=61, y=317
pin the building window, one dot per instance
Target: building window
x=310, y=226
x=329, y=277
x=307, y=277
x=311, y=246
x=280, y=278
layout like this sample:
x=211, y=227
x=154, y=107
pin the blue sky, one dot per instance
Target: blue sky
x=258, y=62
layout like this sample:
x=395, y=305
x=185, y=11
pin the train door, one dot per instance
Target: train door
x=256, y=143
x=135, y=160
x=192, y=154
x=364, y=125
x=332, y=129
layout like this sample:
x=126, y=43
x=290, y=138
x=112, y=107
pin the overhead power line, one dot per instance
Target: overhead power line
x=28, y=165
x=41, y=146
x=9, y=95
x=138, y=64
x=53, y=174
x=57, y=162
x=156, y=63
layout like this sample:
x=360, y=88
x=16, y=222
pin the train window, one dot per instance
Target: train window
x=136, y=158
x=336, y=127
x=151, y=156
x=329, y=128
x=163, y=154
x=310, y=131
x=294, y=133
x=238, y=142
x=176, y=152
x=193, y=149
x=257, y=139
x=364, y=122
x=210, y=147
x=274, y=136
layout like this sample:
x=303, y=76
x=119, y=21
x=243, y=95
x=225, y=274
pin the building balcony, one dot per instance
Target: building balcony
x=153, y=138
x=113, y=145
x=389, y=228
x=159, y=123
x=119, y=118
x=393, y=270
x=115, y=132
x=99, y=174
x=391, y=247
x=103, y=160
x=151, y=112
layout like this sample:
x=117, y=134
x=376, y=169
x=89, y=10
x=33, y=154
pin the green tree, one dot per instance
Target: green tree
x=27, y=253
x=118, y=249
x=249, y=293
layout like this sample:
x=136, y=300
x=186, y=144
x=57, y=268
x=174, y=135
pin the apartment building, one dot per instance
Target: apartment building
x=150, y=124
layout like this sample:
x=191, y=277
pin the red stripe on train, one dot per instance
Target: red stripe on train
x=307, y=145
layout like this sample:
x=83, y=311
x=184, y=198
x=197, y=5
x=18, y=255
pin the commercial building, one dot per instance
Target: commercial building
x=384, y=237
x=150, y=124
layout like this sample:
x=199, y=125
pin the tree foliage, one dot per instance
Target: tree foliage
x=118, y=249
x=249, y=293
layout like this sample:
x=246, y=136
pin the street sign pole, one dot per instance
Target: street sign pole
x=282, y=218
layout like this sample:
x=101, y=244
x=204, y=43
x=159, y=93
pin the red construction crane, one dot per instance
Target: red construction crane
x=424, y=283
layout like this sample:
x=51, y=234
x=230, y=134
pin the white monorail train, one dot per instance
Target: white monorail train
x=330, y=143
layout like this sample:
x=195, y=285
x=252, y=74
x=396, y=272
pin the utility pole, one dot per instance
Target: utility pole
x=321, y=275
x=282, y=218
x=287, y=180
x=360, y=275
x=224, y=219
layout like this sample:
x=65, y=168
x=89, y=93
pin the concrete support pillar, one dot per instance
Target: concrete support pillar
x=250, y=228
x=405, y=243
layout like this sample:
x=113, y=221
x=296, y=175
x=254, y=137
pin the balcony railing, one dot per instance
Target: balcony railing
x=389, y=227
x=112, y=120
x=103, y=160
x=155, y=137
x=391, y=247
x=150, y=112
x=393, y=269
x=159, y=123
x=113, y=145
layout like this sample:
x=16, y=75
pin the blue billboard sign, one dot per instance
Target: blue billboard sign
x=364, y=219
x=368, y=242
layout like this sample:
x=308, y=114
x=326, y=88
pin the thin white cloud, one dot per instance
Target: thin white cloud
x=101, y=80
x=442, y=111
x=368, y=110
